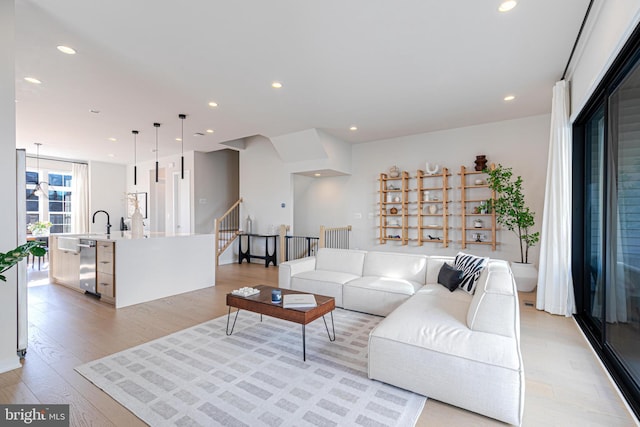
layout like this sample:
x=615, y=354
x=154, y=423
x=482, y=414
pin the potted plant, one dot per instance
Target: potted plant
x=39, y=228
x=14, y=256
x=513, y=213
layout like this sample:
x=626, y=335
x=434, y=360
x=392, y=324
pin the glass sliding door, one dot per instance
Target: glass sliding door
x=593, y=265
x=606, y=220
x=622, y=253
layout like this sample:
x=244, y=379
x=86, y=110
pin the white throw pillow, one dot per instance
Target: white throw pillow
x=472, y=266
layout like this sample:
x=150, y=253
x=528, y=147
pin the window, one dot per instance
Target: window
x=606, y=236
x=57, y=208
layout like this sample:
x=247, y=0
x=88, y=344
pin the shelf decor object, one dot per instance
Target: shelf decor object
x=473, y=208
x=433, y=227
x=414, y=208
x=481, y=162
x=393, y=204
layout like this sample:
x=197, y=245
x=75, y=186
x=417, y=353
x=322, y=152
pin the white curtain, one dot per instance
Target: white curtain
x=555, y=284
x=80, y=198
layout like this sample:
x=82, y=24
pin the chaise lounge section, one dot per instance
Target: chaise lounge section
x=456, y=347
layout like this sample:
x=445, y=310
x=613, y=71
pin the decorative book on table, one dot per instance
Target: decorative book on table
x=299, y=301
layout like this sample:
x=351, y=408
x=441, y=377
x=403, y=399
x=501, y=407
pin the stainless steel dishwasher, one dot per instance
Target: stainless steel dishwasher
x=88, y=265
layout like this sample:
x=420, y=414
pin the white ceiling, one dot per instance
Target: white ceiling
x=390, y=68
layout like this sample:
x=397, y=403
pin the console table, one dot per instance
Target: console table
x=267, y=257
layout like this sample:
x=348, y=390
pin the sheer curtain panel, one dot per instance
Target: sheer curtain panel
x=555, y=284
x=80, y=198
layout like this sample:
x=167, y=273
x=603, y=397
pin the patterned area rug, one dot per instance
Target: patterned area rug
x=256, y=377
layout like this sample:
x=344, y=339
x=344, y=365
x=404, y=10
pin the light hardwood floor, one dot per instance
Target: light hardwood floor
x=565, y=385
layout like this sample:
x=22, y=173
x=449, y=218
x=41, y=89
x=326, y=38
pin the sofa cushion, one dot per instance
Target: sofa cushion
x=328, y=283
x=326, y=276
x=436, y=319
x=494, y=306
x=377, y=295
x=411, y=267
x=434, y=264
x=472, y=266
x=386, y=284
x=450, y=277
x=340, y=260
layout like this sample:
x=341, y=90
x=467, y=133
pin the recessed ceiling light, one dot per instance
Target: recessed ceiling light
x=179, y=139
x=198, y=134
x=276, y=85
x=33, y=80
x=209, y=130
x=66, y=49
x=509, y=98
x=213, y=104
x=112, y=139
x=317, y=174
x=111, y=155
x=506, y=6
x=353, y=128
x=95, y=111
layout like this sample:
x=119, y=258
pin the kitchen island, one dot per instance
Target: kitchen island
x=135, y=270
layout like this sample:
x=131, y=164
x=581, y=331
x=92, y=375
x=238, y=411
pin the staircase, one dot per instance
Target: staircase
x=227, y=228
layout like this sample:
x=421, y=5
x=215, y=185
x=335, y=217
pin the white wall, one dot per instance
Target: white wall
x=216, y=186
x=61, y=166
x=319, y=201
x=609, y=25
x=8, y=221
x=264, y=185
x=521, y=144
x=107, y=188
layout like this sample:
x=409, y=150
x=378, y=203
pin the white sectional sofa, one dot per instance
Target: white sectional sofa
x=455, y=347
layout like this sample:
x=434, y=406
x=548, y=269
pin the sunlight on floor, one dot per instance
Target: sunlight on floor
x=38, y=277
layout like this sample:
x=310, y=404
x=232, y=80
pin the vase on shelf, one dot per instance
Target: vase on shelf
x=481, y=162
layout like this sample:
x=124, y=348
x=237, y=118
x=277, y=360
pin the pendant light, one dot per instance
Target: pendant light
x=41, y=188
x=156, y=125
x=135, y=158
x=182, y=117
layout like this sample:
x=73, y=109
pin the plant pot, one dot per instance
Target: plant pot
x=526, y=276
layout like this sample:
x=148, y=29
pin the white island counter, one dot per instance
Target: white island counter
x=141, y=269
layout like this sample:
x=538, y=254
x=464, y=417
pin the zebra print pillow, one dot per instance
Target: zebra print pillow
x=472, y=267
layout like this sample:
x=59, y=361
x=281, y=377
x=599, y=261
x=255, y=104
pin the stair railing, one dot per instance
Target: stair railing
x=334, y=237
x=227, y=228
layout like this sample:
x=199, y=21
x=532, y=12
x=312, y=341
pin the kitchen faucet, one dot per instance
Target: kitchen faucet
x=108, y=223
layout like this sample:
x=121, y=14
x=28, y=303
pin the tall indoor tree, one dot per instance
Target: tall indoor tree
x=511, y=209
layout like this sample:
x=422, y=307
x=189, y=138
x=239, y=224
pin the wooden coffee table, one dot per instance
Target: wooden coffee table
x=261, y=303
